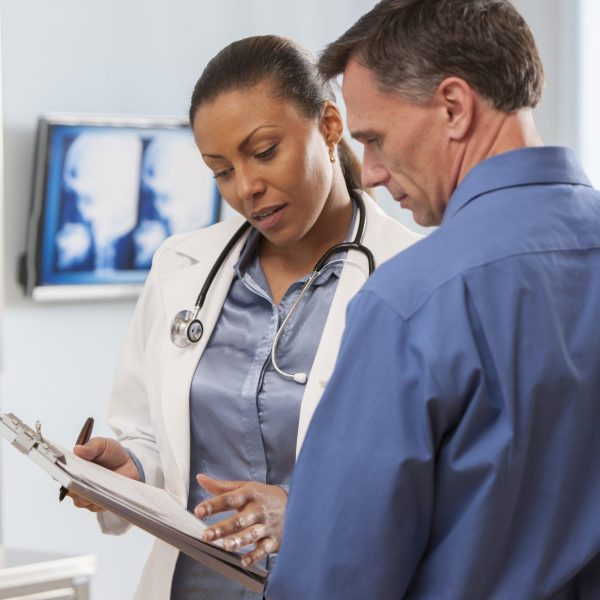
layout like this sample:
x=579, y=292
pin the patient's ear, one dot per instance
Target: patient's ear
x=458, y=99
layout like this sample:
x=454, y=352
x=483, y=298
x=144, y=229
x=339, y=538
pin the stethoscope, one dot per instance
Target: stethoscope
x=186, y=327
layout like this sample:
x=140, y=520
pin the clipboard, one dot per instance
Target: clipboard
x=151, y=509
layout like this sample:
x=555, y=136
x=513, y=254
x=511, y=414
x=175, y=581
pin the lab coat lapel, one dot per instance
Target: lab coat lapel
x=351, y=280
x=180, y=291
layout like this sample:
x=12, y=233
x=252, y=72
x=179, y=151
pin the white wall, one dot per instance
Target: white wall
x=589, y=98
x=1, y=277
x=138, y=57
x=555, y=26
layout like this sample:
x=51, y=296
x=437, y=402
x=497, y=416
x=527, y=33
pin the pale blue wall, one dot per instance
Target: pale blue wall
x=137, y=57
x=103, y=56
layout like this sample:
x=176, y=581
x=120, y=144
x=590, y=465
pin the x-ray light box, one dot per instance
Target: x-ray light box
x=107, y=192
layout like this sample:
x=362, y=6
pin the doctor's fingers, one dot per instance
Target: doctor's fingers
x=218, y=486
x=263, y=548
x=109, y=454
x=227, y=501
x=91, y=450
x=233, y=525
x=250, y=536
x=103, y=451
x=81, y=502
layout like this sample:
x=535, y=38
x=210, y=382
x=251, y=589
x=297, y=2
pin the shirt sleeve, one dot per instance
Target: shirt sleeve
x=138, y=465
x=363, y=490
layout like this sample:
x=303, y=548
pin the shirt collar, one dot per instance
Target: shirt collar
x=525, y=166
x=249, y=253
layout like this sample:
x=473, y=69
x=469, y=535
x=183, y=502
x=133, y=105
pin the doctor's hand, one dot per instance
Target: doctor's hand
x=109, y=454
x=259, y=519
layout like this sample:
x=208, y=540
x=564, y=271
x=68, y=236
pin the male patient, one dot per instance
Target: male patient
x=455, y=454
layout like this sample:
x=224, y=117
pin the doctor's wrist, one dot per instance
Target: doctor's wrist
x=138, y=465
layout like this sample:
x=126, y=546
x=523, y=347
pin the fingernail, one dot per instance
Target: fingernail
x=229, y=544
x=200, y=511
x=208, y=535
x=245, y=562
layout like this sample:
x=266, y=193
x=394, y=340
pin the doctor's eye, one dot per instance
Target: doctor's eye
x=267, y=154
x=222, y=174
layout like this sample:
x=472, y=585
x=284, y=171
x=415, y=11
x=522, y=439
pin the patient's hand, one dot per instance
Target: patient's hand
x=259, y=519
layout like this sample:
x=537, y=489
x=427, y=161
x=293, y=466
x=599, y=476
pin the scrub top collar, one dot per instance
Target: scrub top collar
x=248, y=260
x=525, y=166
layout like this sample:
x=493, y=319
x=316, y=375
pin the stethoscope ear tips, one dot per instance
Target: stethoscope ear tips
x=300, y=378
x=185, y=329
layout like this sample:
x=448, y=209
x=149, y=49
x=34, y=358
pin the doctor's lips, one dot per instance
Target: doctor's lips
x=260, y=215
x=268, y=216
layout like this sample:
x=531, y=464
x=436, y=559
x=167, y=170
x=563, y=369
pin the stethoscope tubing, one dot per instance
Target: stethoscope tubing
x=301, y=377
x=187, y=328
x=218, y=264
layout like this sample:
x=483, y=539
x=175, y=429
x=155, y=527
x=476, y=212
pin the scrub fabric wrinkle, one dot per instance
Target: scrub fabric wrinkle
x=244, y=415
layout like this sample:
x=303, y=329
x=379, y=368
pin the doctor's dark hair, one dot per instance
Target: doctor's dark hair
x=411, y=46
x=294, y=75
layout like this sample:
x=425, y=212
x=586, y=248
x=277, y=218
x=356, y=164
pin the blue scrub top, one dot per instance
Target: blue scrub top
x=244, y=415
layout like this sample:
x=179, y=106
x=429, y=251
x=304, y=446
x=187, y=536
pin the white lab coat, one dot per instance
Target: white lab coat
x=149, y=405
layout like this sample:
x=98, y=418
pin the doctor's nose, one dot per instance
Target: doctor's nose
x=373, y=172
x=249, y=186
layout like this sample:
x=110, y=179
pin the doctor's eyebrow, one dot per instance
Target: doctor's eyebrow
x=244, y=143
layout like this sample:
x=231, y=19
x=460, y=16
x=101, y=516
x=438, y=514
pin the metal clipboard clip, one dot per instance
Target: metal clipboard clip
x=26, y=439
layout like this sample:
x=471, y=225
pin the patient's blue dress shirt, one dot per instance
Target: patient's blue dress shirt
x=455, y=454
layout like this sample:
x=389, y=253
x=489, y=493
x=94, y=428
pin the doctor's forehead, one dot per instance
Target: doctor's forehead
x=259, y=103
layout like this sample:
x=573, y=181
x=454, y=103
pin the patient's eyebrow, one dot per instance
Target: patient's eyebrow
x=364, y=135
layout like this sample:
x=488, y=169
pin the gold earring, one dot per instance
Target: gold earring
x=332, y=153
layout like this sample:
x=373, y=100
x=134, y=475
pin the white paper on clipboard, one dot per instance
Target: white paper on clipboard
x=150, y=508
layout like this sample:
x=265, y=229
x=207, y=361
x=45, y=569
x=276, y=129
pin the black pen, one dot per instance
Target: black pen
x=83, y=438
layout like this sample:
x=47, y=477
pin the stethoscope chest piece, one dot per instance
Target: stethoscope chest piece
x=186, y=329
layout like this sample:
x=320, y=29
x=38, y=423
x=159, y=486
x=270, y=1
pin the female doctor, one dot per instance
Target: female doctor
x=218, y=423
